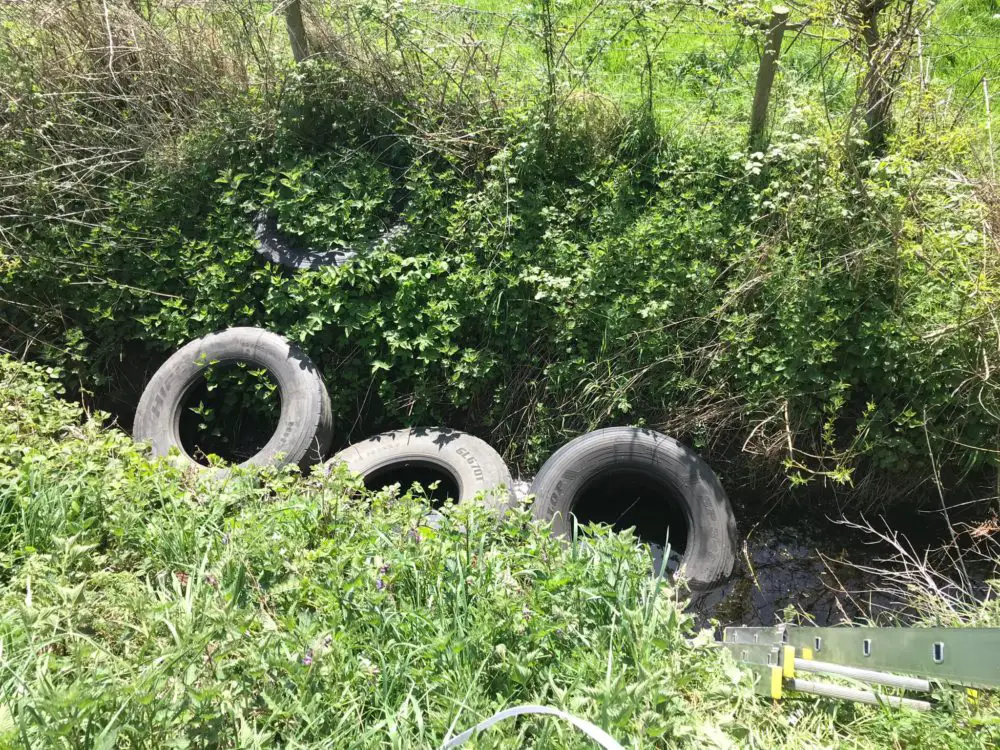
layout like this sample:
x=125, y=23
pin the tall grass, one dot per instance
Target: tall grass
x=143, y=607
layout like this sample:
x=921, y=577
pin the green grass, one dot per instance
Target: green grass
x=704, y=62
x=142, y=607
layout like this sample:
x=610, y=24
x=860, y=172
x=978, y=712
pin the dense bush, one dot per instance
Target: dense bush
x=145, y=607
x=804, y=309
x=817, y=315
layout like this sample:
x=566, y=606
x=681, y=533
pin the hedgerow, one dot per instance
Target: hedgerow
x=804, y=314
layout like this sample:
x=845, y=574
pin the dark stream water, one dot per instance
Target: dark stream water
x=829, y=573
x=787, y=572
x=825, y=572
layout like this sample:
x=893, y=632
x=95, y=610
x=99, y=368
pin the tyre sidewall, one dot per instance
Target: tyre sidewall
x=473, y=464
x=304, y=427
x=711, y=545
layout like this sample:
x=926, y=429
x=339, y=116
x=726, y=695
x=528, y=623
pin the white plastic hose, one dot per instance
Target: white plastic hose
x=595, y=733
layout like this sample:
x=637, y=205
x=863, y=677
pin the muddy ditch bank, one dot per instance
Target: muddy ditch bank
x=827, y=573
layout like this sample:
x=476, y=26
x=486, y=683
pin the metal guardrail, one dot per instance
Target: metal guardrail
x=909, y=659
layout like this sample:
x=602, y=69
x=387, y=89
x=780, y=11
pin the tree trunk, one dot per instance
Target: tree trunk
x=877, y=93
x=296, y=30
x=765, y=78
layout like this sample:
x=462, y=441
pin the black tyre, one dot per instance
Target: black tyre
x=463, y=465
x=305, y=425
x=630, y=477
x=275, y=247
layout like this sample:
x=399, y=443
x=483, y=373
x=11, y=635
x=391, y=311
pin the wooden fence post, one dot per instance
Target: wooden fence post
x=296, y=30
x=765, y=78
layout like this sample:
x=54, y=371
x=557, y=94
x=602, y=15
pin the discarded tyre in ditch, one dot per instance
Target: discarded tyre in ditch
x=279, y=249
x=461, y=464
x=305, y=424
x=630, y=477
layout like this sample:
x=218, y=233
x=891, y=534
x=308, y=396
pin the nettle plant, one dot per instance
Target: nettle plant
x=331, y=200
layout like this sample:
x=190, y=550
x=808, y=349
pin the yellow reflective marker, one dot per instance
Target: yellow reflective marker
x=776, y=682
x=807, y=653
x=788, y=661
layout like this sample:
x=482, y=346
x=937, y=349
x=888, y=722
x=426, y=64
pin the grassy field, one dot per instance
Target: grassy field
x=695, y=67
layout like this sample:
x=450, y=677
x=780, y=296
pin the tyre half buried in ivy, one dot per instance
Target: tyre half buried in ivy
x=277, y=248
